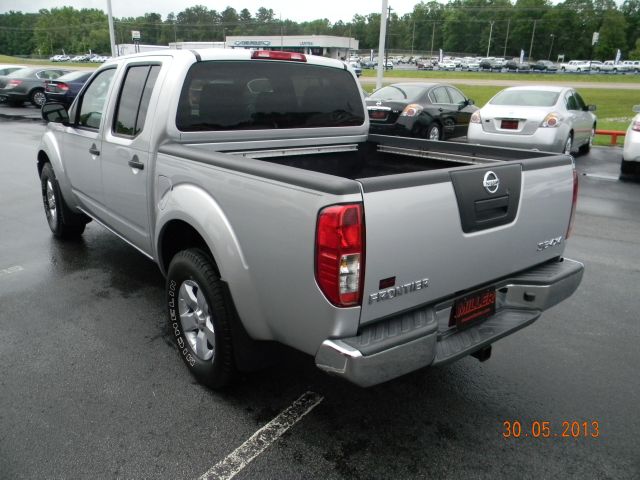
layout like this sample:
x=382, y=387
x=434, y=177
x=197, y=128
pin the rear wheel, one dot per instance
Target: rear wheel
x=568, y=145
x=628, y=168
x=200, y=317
x=37, y=97
x=434, y=132
x=584, y=149
x=62, y=221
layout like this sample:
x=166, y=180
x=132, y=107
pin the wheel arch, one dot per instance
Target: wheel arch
x=195, y=220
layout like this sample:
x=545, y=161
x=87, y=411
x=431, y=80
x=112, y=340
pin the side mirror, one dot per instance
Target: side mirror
x=591, y=108
x=55, y=112
x=470, y=101
x=636, y=109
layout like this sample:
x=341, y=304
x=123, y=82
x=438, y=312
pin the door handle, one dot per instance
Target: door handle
x=94, y=150
x=136, y=163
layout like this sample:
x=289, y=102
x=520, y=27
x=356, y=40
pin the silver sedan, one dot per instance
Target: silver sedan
x=548, y=118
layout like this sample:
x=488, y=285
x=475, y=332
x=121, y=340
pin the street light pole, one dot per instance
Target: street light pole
x=532, y=34
x=381, y=44
x=551, y=47
x=112, y=37
x=504, y=53
x=489, y=44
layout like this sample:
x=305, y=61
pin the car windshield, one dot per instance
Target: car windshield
x=398, y=93
x=526, y=98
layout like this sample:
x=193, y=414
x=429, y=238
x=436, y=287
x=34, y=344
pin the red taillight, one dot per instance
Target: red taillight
x=340, y=253
x=14, y=83
x=277, y=55
x=63, y=87
x=574, y=201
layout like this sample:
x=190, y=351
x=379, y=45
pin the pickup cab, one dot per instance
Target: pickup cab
x=251, y=180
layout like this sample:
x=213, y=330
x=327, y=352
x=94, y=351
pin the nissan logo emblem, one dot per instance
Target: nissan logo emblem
x=491, y=182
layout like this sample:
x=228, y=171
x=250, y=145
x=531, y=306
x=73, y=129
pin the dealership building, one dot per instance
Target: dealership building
x=322, y=45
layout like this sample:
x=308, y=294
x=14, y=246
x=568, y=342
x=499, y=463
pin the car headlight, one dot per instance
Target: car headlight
x=475, y=117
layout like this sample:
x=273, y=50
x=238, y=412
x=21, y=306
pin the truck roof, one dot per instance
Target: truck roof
x=211, y=54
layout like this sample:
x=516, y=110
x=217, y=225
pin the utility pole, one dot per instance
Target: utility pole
x=381, y=43
x=433, y=35
x=551, y=47
x=489, y=45
x=532, y=34
x=504, y=53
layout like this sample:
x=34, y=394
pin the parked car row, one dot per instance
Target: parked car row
x=37, y=85
x=547, y=118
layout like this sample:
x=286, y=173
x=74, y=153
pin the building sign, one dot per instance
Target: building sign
x=306, y=44
x=135, y=35
x=252, y=43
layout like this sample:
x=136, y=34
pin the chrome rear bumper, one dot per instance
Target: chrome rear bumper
x=416, y=339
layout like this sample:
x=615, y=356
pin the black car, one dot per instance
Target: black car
x=433, y=111
x=27, y=85
x=65, y=88
x=515, y=65
x=544, y=66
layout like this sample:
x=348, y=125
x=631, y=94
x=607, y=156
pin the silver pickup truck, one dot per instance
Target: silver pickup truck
x=250, y=178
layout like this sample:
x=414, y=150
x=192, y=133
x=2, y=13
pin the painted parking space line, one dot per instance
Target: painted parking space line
x=10, y=270
x=601, y=176
x=263, y=438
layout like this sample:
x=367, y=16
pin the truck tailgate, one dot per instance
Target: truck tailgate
x=441, y=233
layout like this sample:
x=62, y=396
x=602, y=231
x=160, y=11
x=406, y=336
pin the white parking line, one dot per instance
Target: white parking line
x=10, y=270
x=263, y=438
x=601, y=176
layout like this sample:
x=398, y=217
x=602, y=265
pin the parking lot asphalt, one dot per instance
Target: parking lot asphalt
x=92, y=387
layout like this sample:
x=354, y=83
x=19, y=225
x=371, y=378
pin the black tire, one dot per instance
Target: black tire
x=628, y=169
x=37, y=97
x=586, y=148
x=62, y=221
x=568, y=145
x=192, y=275
x=433, y=132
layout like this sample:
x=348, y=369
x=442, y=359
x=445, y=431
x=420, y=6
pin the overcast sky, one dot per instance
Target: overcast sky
x=298, y=11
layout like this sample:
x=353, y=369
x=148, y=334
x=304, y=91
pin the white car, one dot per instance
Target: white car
x=631, y=150
x=633, y=65
x=446, y=65
x=548, y=118
x=576, y=66
x=613, y=67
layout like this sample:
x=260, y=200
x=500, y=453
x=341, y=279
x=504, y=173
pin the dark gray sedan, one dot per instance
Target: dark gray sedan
x=27, y=84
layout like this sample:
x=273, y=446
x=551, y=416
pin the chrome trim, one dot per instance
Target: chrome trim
x=449, y=157
x=287, y=152
x=336, y=358
x=115, y=233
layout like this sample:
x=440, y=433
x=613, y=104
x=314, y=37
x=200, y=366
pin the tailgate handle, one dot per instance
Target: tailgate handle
x=492, y=208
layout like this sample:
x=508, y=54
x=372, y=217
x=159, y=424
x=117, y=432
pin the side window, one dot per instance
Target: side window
x=579, y=101
x=133, y=101
x=439, y=95
x=93, y=100
x=571, y=102
x=456, y=96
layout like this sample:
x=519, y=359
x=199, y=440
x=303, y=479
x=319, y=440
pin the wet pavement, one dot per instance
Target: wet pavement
x=91, y=385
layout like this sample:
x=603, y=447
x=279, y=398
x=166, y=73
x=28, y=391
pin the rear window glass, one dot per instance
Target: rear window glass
x=398, y=93
x=526, y=98
x=248, y=95
x=73, y=76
